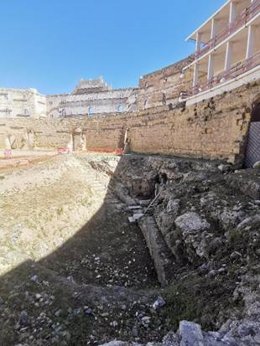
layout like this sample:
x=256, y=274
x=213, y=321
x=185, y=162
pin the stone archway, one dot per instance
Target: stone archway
x=253, y=141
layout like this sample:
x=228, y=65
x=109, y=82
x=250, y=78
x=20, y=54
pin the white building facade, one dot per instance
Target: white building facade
x=91, y=97
x=22, y=103
x=227, y=50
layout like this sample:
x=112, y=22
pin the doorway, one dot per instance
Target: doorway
x=253, y=141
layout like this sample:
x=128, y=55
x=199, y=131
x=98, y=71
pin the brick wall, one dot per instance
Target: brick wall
x=163, y=87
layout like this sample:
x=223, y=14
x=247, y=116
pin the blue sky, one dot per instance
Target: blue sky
x=51, y=44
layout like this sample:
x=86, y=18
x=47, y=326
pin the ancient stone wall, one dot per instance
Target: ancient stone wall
x=162, y=87
x=28, y=133
x=215, y=128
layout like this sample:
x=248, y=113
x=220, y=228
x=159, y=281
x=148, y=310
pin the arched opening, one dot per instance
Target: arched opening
x=253, y=140
x=256, y=112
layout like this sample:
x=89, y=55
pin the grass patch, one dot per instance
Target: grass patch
x=207, y=301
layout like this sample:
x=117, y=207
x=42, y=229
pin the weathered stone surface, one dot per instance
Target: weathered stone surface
x=191, y=334
x=191, y=223
x=182, y=132
x=193, y=229
x=117, y=343
x=171, y=339
x=159, y=251
x=165, y=218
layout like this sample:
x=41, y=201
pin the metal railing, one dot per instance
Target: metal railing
x=242, y=19
x=235, y=71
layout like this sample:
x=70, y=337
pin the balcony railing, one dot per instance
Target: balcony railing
x=235, y=71
x=242, y=19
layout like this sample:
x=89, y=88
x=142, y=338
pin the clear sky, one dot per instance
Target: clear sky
x=51, y=44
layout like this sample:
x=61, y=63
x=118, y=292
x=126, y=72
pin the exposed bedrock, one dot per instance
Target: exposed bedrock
x=202, y=232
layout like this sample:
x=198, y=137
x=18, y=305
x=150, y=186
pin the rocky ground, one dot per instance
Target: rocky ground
x=203, y=234
x=75, y=271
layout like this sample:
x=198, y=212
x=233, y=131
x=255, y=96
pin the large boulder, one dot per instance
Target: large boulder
x=191, y=223
x=194, y=233
x=191, y=334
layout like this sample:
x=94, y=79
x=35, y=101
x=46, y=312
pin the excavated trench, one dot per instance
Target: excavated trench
x=97, y=248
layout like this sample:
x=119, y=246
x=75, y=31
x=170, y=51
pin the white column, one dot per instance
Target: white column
x=210, y=66
x=213, y=31
x=228, y=58
x=250, y=42
x=198, y=35
x=195, y=74
x=213, y=28
x=232, y=11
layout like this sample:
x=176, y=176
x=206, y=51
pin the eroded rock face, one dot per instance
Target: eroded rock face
x=209, y=219
x=193, y=230
x=187, y=233
x=191, y=223
x=165, y=218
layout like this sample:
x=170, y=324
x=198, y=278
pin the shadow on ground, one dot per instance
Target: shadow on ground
x=97, y=286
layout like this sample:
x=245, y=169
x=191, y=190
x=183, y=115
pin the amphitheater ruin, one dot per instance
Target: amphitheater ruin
x=132, y=216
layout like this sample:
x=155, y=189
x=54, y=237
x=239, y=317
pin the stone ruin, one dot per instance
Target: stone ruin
x=127, y=217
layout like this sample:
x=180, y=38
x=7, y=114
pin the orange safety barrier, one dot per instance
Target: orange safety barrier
x=117, y=151
x=101, y=150
x=63, y=150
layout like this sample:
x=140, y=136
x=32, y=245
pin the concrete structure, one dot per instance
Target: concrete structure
x=227, y=52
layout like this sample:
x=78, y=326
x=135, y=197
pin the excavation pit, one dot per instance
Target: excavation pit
x=75, y=271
